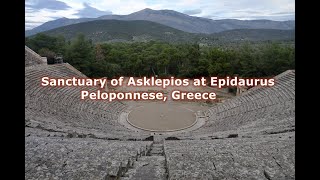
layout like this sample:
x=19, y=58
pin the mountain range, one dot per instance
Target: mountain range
x=100, y=31
x=173, y=19
x=122, y=31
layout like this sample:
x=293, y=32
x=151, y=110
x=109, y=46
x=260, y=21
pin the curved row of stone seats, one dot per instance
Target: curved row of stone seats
x=263, y=107
x=62, y=106
x=264, y=157
x=78, y=158
x=32, y=58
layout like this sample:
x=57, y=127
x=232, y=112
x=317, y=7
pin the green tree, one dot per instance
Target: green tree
x=80, y=54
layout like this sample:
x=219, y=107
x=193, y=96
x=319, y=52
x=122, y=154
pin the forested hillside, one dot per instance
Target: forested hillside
x=167, y=59
x=101, y=31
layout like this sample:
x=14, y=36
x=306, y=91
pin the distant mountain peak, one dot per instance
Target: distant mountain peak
x=163, y=12
x=147, y=9
x=158, y=11
x=60, y=19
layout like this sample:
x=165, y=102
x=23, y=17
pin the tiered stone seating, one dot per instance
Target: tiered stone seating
x=268, y=157
x=32, y=58
x=62, y=106
x=78, y=158
x=256, y=110
x=247, y=137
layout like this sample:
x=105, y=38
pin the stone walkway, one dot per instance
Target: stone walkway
x=150, y=167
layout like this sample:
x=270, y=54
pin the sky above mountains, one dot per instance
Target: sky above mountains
x=38, y=12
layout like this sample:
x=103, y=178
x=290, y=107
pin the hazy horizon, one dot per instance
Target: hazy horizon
x=38, y=12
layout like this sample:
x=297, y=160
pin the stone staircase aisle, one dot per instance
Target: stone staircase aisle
x=149, y=167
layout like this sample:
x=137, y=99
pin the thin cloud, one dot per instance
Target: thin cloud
x=283, y=13
x=47, y=4
x=91, y=12
x=30, y=10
